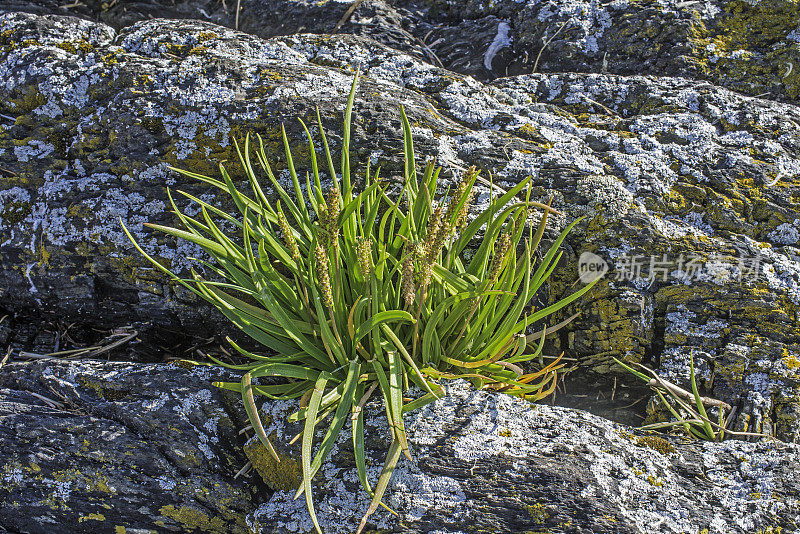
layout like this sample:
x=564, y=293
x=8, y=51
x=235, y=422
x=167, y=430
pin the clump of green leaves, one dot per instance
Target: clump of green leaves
x=689, y=409
x=353, y=292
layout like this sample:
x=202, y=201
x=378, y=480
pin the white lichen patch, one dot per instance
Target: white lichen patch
x=35, y=149
x=786, y=233
x=590, y=17
x=187, y=407
x=61, y=490
x=156, y=403
x=166, y=483
x=12, y=474
x=381, y=64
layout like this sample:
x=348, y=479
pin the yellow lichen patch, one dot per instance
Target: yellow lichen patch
x=143, y=80
x=91, y=517
x=73, y=47
x=198, y=51
x=791, y=361
x=656, y=443
x=192, y=518
x=14, y=212
x=279, y=476
x=119, y=529
x=626, y=435
x=100, y=484
x=80, y=211
x=101, y=390
x=43, y=255
x=538, y=512
x=653, y=481
x=110, y=59
x=505, y=433
x=129, y=268
x=12, y=475
x=206, y=36
x=727, y=52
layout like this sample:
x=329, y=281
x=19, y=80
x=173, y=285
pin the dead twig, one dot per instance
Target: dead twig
x=50, y=402
x=347, y=15
x=530, y=338
x=604, y=108
x=429, y=50
x=244, y=470
x=87, y=352
x=425, y=47
x=683, y=394
x=5, y=358
x=33, y=356
x=539, y=55
x=114, y=345
x=634, y=403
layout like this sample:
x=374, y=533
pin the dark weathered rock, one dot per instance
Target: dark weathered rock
x=94, y=447
x=752, y=47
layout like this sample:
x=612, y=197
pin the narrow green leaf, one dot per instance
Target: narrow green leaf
x=308, y=440
x=383, y=482
x=252, y=415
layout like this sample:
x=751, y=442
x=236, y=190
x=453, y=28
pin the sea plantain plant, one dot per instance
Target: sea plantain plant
x=351, y=292
x=688, y=408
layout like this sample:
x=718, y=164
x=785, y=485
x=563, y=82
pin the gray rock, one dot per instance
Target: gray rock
x=121, y=14
x=493, y=463
x=751, y=47
x=98, y=447
x=695, y=176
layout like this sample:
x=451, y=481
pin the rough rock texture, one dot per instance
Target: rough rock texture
x=690, y=174
x=491, y=463
x=154, y=447
x=752, y=47
x=97, y=446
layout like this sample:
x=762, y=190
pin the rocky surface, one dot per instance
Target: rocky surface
x=105, y=447
x=102, y=447
x=751, y=47
x=701, y=179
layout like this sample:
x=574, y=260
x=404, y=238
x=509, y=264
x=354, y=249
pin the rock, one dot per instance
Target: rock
x=492, y=463
x=751, y=47
x=701, y=179
x=97, y=446
x=121, y=14
x=745, y=46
